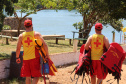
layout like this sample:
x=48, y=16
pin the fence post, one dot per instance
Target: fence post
x=75, y=43
x=113, y=40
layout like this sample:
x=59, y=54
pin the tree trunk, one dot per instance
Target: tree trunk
x=86, y=27
x=80, y=34
x=19, y=26
x=85, y=34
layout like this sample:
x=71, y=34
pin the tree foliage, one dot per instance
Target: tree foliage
x=9, y=9
x=104, y=11
x=78, y=25
x=33, y=6
x=25, y=6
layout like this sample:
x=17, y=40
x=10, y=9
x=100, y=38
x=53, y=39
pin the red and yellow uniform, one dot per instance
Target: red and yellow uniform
x=30, y=52
x=97, y=46
x=31, y=57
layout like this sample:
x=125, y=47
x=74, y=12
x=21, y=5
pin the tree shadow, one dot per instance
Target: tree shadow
x=54, y=83
x=67, y=65
x=57, y=45
x=13, y=81
x=3, y=81
x=4, y=56
x=61, y=44
x=124, y=62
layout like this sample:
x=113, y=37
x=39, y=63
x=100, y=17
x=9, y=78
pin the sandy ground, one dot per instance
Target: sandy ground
x=64, y=73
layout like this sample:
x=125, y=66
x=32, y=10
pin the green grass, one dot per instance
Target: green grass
x=61, y=47
x=12, y=81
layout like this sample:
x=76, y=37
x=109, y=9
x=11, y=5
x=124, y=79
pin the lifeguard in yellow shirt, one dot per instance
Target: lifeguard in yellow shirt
x=97, y=42
x=31, y=58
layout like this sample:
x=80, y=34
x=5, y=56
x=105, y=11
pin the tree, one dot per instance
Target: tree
x=79, y=26
x=92, y=11
x=32, y=6
x=9, y=9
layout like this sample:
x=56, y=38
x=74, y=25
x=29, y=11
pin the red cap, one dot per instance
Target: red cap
x=27, y=23
x=98, y=26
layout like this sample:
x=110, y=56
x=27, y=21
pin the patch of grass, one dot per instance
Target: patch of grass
x=4, y=56
x=5, y=50
x=61, y=47
x=12, y=81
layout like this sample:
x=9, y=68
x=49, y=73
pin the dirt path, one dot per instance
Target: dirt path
x=63, y=76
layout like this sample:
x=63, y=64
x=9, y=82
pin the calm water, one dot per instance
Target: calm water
x=50, y=22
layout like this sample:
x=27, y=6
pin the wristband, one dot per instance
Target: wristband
x=17, y=57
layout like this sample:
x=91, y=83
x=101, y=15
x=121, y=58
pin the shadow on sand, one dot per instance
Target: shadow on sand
x=124, y=62
x=54, y=83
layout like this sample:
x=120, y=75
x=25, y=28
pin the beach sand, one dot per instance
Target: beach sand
x=64, y=73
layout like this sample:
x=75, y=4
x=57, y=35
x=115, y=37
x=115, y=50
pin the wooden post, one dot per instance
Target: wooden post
x=7, y=41
x=113, y=40
x=69, y=41
x=56, y=40
x=124, y=38
x=75, y=42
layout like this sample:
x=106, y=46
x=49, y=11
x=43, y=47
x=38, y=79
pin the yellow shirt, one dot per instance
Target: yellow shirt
x=97, y=46
x=28, y=45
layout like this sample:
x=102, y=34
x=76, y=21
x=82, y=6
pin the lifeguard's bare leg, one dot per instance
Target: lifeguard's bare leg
x=93, y=79
x=35, y=80
x=99, y=81
x=28, y=80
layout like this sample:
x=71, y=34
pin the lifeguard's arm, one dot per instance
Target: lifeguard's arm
x=88, y=43
x=39, y=36
x=19, y=44
x=106, y=42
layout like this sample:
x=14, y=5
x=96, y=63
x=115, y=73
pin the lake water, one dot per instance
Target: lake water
x=50, y=22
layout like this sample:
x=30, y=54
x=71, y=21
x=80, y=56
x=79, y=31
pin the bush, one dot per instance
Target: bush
x=6, y=27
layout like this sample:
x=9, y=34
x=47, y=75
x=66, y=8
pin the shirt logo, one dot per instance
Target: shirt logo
x=98, y=43
x=28, y=41
x=114, y=53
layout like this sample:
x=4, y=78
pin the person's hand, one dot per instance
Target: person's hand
x=47, y=57
x=18, y=60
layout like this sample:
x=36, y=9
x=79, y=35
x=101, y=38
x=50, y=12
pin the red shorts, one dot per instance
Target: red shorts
x=31, y=68
x=98, y=69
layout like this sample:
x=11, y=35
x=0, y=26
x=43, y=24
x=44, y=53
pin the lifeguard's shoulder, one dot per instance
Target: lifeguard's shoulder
x=37, y=34
x=90, y=37
x=20, y=36
x=105, y=38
